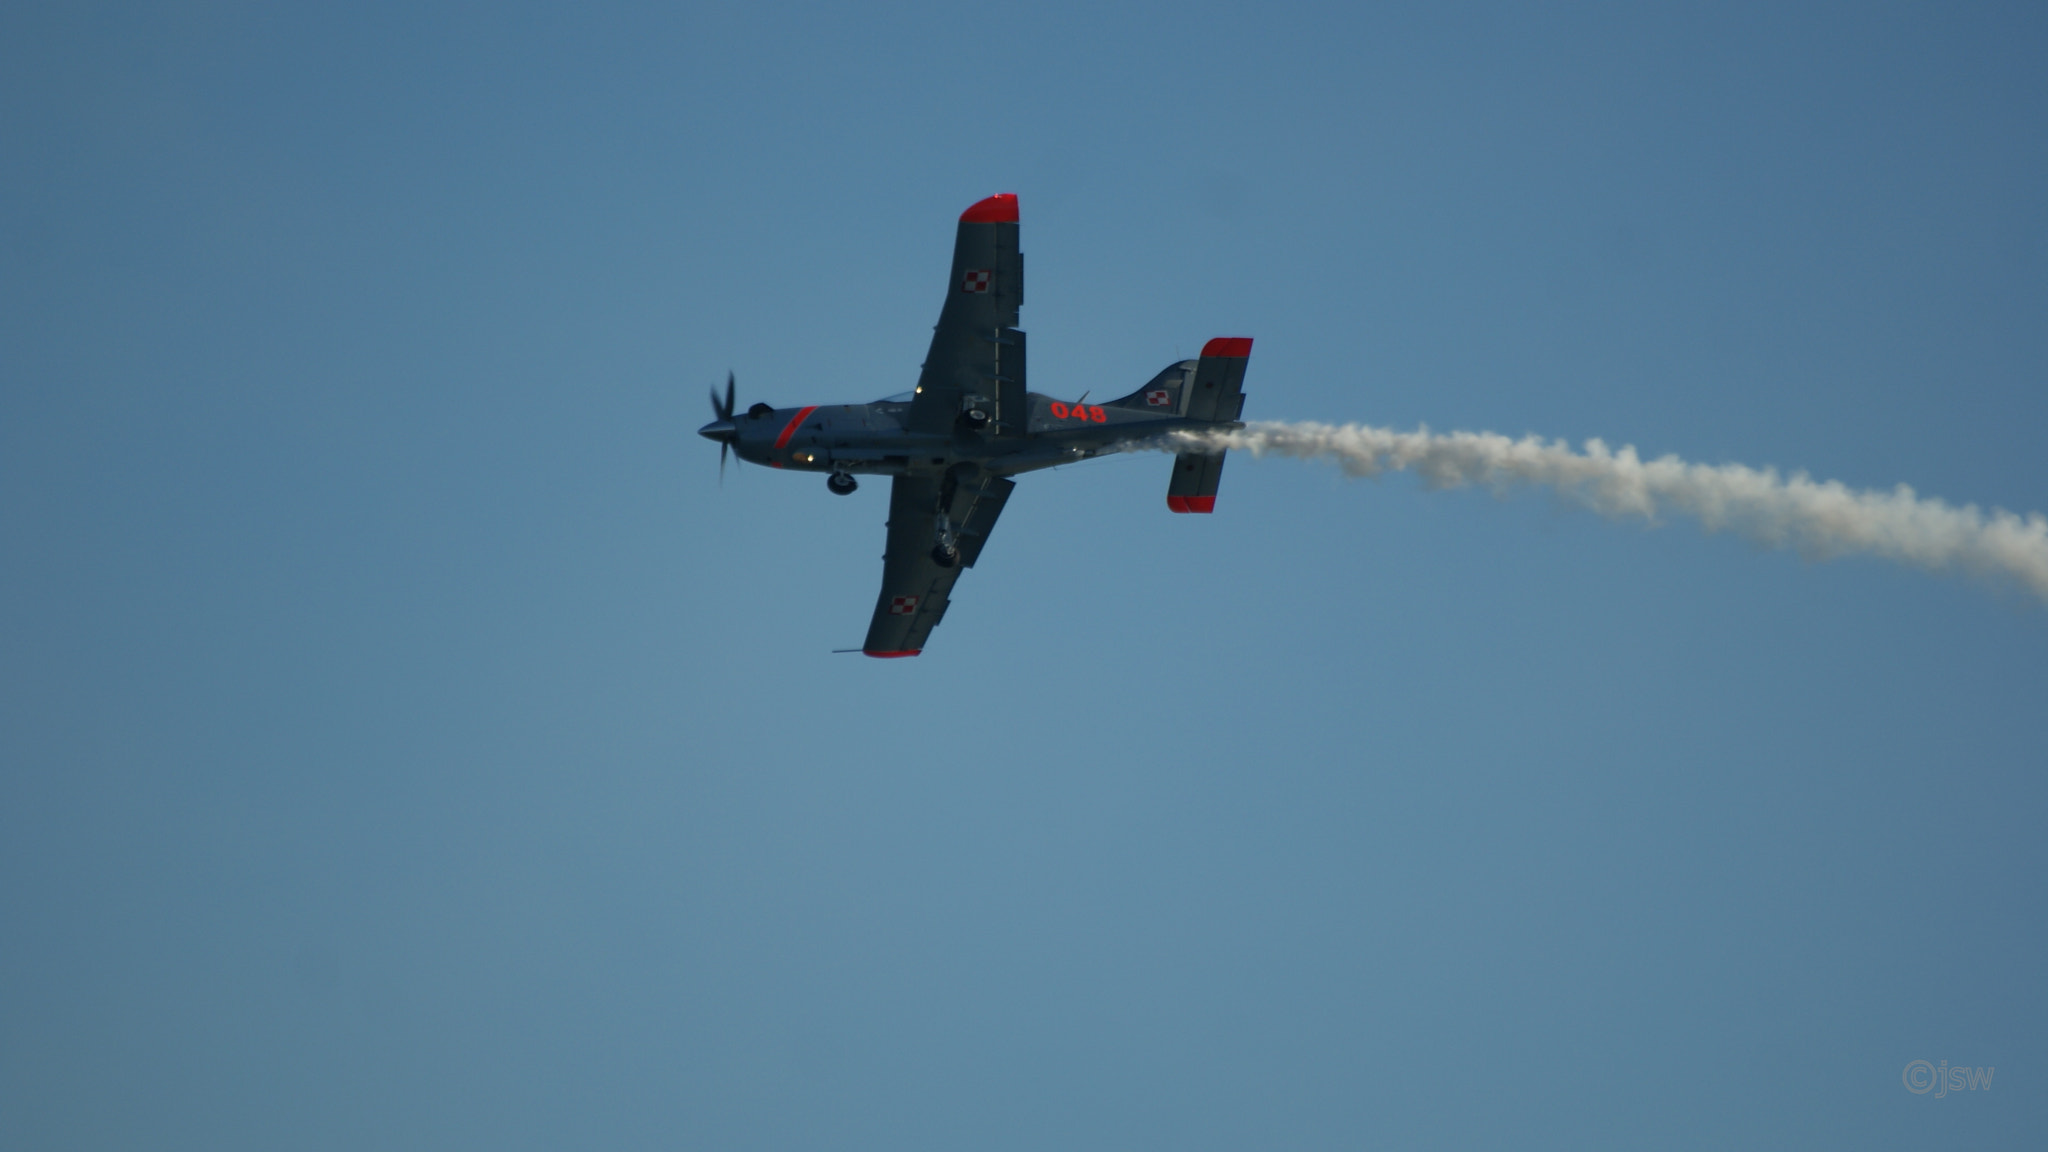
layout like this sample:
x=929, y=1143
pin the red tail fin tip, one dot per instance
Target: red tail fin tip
x=1237, y=346
x=1000, y=208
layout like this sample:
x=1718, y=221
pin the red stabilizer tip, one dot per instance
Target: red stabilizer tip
x=1238, y=346
x=892, y=655
x=1191, y=503
x=998, y=209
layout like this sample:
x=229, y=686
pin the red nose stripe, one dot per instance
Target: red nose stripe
x=789, y=429
x=1238, y=346
x=891, y=655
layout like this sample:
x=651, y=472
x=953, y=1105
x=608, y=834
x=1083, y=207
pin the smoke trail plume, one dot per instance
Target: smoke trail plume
x=1818, y=518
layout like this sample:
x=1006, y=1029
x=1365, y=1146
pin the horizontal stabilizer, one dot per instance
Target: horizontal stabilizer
x=1196, y=476
x=1215, y=394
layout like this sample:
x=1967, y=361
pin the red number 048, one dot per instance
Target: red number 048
x=1079, y=412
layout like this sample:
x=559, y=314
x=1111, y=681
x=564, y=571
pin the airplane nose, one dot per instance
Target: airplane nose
x=722, y=431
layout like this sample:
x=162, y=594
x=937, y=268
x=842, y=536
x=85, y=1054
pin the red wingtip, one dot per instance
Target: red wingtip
x=1238, y=346
x=1191, y=503
x=998, y=209
x=891, y=655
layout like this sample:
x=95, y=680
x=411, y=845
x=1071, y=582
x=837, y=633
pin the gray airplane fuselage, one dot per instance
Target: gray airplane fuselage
x=874, y=439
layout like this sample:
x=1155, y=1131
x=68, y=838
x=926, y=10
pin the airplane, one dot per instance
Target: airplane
x=952, y=443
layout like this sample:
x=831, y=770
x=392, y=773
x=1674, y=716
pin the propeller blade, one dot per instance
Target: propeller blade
x=721, y=429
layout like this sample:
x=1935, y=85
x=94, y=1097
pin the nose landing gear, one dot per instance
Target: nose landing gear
x=841, y=484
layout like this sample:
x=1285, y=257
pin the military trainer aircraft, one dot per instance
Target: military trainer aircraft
x=953, y=442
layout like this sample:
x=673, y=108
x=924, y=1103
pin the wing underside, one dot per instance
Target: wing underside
x=915, y=587
x=976, y=359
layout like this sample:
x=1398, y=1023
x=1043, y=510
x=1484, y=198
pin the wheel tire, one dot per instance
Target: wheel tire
x=944, y=558
x=841, y=486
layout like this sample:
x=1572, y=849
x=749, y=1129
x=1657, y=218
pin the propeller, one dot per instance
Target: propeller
x=723, y=411
x=721, y=429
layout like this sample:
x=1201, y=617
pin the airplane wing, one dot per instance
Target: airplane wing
x=914, y=586
x=976, y=360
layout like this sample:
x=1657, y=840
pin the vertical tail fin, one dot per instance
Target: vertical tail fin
x=1215, y=394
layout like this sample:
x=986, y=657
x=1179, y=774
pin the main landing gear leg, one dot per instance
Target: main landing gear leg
x=946, y=551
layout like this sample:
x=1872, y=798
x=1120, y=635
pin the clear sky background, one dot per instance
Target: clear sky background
x=405, y=742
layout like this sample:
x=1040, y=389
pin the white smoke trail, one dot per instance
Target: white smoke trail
x=1818, y=518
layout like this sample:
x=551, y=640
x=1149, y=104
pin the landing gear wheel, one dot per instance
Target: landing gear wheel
x=841, y=484
x=945, y=557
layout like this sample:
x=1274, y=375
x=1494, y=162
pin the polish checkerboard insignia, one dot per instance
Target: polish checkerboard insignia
x=975, y=281
x=902, y=605
x=1159, y=397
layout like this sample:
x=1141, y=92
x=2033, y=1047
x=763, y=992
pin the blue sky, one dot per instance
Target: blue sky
x=407, y=742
